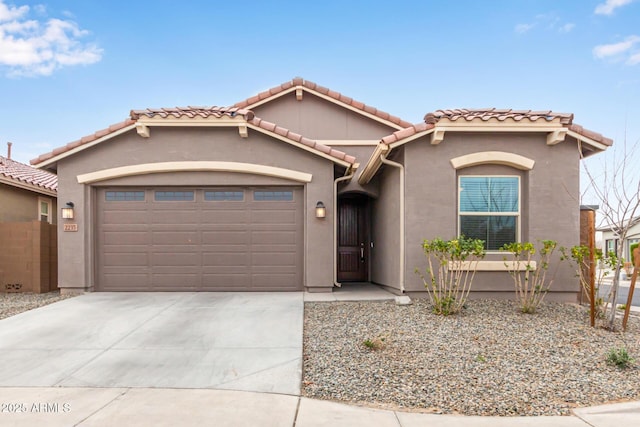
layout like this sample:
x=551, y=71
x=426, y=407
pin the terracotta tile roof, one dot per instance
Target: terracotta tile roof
x=192, y=112
x=501, y=115
x=300, y=82
x=271, y=127
x=485, y=114
x=82, y=141
x=26, y=174
x=407, y=132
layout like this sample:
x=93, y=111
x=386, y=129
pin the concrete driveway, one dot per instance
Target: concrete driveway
x=232, y=341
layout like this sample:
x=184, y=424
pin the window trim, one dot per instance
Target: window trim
x=518, y=214
x=49, y=214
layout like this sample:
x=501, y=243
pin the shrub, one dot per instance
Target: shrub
x=531, y=283
x=451, y=268
x=619, y=357
x=374, y=344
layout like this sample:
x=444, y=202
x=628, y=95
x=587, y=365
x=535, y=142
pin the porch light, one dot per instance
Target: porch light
x=67, y=212
x=321, y=211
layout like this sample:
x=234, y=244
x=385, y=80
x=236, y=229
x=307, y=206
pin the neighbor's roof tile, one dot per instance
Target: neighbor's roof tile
x=24, y=173
x=298, y=81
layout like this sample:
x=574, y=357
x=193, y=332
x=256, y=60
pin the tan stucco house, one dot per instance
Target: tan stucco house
x=28, y=205
x=303, y=188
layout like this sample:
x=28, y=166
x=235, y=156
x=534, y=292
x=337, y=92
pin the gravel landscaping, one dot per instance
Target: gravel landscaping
x=14, y=303
x=488, y=360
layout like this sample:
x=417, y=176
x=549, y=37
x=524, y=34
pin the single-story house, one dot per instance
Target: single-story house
x=611, y=237
x=26, y=193
x=28, y=206
x=303, y=188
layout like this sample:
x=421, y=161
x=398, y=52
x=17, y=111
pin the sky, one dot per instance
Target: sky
x=70, y=68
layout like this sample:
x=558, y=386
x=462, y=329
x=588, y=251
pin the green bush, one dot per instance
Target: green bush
x=451, y=267
x=531, y=283
x=619, y=357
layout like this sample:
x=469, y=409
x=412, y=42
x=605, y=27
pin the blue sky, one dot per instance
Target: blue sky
x=69, y=68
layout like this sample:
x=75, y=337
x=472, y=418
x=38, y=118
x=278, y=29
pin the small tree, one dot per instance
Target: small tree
x=531, y=281
x=616, y=186
x=580, y=256
x=451, y=268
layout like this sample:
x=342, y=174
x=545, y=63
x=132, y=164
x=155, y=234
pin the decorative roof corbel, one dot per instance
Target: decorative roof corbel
x=556, y=136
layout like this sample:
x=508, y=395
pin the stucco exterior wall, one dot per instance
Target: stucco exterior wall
x=17, y=204
x=385, y=269
x=317, y=118
x=550, y=200
x=76, y=254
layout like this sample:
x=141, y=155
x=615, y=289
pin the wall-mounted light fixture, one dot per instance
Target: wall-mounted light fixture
x=321, y=210
x=67, y=212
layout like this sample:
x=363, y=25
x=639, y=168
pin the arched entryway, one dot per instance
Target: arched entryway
x=354, y=238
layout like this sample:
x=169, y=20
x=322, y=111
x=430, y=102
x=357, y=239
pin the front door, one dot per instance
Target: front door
x=353, y=240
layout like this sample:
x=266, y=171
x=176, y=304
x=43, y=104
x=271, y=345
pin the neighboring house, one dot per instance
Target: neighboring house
x=610, y=238
x=226, y=198
x=26, y=193
x=28, y=204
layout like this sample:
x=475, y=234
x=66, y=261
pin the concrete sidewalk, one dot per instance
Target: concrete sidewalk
x=85, y=407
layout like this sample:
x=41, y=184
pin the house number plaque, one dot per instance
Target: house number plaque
x=70, y=227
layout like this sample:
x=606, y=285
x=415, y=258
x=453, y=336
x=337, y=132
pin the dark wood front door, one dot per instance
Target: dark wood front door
x=353, y=240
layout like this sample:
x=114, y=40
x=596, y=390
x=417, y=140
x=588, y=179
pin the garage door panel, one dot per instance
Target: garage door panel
x=273, y=280
x=126, y=259
x=273, y=237
x=274, y=258
x=209, y=245
x=175, y=217
x=175, y=259
x=124, y=217
x=240, y=259
x=231, y=237
x=125, y=237
x=175, y=237
x=229, y=217
x=273, y=217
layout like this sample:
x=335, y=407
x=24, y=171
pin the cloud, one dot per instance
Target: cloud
x=613, y=49
x=548, y=21
x=31, y=47
x=567, y=27
x=627, y=50
x=523, y=28
x=609, y=6
x=634, y=59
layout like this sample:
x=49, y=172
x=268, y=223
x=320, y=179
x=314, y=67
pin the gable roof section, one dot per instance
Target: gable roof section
x=141, y=120
x=437, y=123
x=20, y=175
x=300, y=84
x=631, y=223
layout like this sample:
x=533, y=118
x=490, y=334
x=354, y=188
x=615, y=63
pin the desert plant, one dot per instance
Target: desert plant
x=374, y=344
x=580, y=256
x=619, y=357
x=451, y=267
x=531, y=282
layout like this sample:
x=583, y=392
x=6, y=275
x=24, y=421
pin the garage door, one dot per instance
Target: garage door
x=199, y=239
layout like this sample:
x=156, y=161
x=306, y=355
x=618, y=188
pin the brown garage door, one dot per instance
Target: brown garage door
x=199, y=239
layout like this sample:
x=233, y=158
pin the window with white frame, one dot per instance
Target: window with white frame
x=489, y=209
x=44, y=210
x=610, y=246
